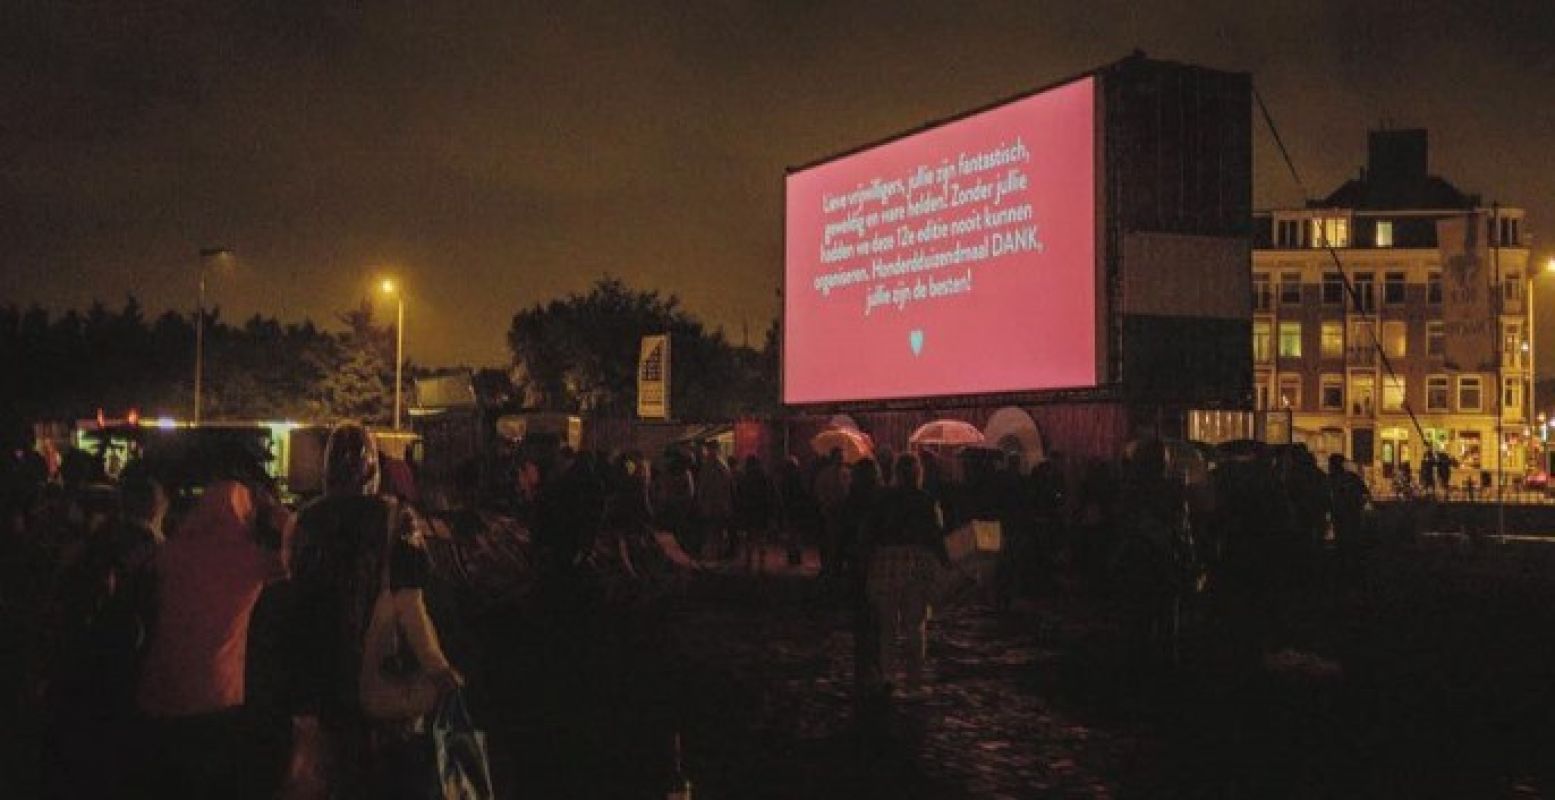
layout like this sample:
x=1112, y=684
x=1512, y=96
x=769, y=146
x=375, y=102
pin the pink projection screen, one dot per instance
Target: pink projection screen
x=958, y=260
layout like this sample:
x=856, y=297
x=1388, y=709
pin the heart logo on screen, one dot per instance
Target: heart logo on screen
x=916, y=340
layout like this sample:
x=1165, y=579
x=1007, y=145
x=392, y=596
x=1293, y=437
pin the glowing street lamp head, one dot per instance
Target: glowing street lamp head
x=387, y=285
x=1549, y=266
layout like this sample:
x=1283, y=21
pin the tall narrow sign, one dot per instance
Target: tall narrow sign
x=1468, y=312
x=653, y=378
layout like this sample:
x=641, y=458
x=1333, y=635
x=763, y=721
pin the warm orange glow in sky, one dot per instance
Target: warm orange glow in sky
x=504, y=153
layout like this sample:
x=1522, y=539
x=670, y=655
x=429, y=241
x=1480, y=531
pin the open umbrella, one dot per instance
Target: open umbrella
x=946, y=432
x=855, y=444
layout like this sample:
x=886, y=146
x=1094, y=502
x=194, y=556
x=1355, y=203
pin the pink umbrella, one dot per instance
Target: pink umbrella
x=855, y=444
x=951, y=432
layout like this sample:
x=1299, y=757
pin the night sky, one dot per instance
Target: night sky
x=498, y=154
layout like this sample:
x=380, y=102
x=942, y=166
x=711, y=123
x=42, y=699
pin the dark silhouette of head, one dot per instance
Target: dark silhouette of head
x=141, y=496
x=908, y=471
x=351, y=461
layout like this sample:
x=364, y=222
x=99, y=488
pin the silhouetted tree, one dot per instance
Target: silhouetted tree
x=579, y=353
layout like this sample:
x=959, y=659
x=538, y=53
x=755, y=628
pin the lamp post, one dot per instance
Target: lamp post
x=207, y=255
x=388, y=287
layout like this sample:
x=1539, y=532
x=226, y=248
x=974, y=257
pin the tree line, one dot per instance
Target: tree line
x=575, y=353
x=69, y=365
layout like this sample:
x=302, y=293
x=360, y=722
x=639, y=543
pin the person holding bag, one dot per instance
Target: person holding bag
x=366, y=660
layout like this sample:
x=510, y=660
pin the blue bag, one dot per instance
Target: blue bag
x=463, y=772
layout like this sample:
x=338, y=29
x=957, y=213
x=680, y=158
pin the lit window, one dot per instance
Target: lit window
x=1393, y=288
x=1290, y=340
x=1512, y=397
x=1262, y=345
x=1512, y=344
x=1290, y=391
x=1333, y=339
x=1362, y=390
x=1384, y=233
x=1331, y=232
x=1392, y=393
x=1290, y=288
x=1435, y=338
x=1363, y=342
x=1332, y=394
x=1395, y=337
x=1470, y=393
x=1437, y=390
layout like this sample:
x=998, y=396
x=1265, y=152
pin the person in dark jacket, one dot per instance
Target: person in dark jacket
x=856, y=516
x=753, y=505
x=907, y=546
x=1348, y=497
x=796, y=510
x=100, y=619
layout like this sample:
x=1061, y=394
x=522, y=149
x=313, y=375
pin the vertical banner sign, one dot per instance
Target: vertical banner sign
x=1467, y=300
x=653, y=378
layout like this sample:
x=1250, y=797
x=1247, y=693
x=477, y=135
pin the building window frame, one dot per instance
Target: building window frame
x=1331, y=338
x=1364, y=298
x=1435, y=338
x=1289, y=390
x=1290, y=288
x=1331, y=232
x=1289, y=339
x=1263, y=293
x=1384, y=233
x=1395, y=392
x=1361, y=392
x=1512, y=287
x=1438, y=393
x=1512, y=397
x=1263, y=341
x=1471, y=386
x=1331, y=392
x=1392, y=288
x=1333, y=289
x=1395, y=338
x=1433, y=287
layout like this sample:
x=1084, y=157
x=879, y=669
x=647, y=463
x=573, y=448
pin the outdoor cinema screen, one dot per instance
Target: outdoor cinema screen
x=958, y=260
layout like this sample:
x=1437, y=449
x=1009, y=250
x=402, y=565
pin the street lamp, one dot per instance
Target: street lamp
x=207, y=256
x=388, y=287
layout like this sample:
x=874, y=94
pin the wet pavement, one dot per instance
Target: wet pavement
x=1441, y=684
x=986, y=727
x=756, y=674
